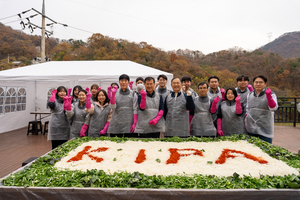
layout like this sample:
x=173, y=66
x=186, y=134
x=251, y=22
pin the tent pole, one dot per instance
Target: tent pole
x=35, y=95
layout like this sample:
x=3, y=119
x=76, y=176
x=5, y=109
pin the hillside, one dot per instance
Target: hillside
x=20, y=46
x=287, y=45
x=283, y=73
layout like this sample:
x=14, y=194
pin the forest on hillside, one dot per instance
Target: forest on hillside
x=283, y=74
x=287, y=45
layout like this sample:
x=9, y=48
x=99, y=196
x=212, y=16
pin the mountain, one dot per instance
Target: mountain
x=287, y=45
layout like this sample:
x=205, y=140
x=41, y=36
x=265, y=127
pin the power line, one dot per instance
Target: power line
x=80, y=29
x=19, y=14
x=12, y=21
x=9, y=17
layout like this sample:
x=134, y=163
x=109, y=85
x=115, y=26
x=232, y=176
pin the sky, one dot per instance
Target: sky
x=208, y=26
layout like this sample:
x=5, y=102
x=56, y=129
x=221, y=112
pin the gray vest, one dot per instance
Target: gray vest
x=122, y=117
x=59, y=126
x=163, y=92
x=177, y=119
x=150, y=112
x=260, y=119
x=231, y=122
x=78, y=119
x=98, y=120
x=202, y=123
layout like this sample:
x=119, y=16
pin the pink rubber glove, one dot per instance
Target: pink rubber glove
x=88, y=98
x=238, y=105
x=250, y=88
x=83, y=130
x=113, y=96
x=104, y=130
x=135, y=118
x=130, y=84
x=52, y=98
x=109, y=92
x=99, y=88
x=219, y=127
x=67, y=103
x=69, y=91
x=214, y=104
x=190, y=118
x=223, y=94
x=143, y=99
x=157, y=118
x=271, y=101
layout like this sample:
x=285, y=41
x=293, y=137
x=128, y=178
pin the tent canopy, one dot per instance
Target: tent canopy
x=81, y=71
x=27, y=89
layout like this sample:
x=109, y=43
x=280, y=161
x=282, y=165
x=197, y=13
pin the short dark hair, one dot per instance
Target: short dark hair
x=162, y=76
x=59, y=89
x=186, y=78
x=175, y=78
x=241, y=77
x=82, y=90
x=114, y=84
x=213, y=77
x=139, y=79
x=76, y=87
x=233, y=91
x=124, y=76
x=105, y=94
x=262, y=77
x=202, y=83
x=149, y=78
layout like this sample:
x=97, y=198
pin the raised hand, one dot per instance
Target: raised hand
x=52, y=98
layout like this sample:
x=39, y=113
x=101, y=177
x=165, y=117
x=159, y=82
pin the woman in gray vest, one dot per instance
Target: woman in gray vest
x=75, y=93
x=80, y=118
x=151, y=109
x=175, y=111
x=202, y=122
x=124, y=117
x=100, y=115
x=261, y=104
x=59, y=127
x=230, y=119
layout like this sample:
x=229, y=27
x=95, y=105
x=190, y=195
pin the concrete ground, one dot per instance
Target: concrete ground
x=287, y=137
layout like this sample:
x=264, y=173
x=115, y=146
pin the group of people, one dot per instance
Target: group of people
x=152, y=110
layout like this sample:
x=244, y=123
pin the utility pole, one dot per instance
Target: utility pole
x=43, y=34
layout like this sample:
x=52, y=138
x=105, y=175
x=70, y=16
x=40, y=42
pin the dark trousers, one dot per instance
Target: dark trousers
x=56, y=143
x=177, y=136
x=269, y=140
x=149, y=135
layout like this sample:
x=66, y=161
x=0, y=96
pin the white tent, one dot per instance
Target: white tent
x=26, y=89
